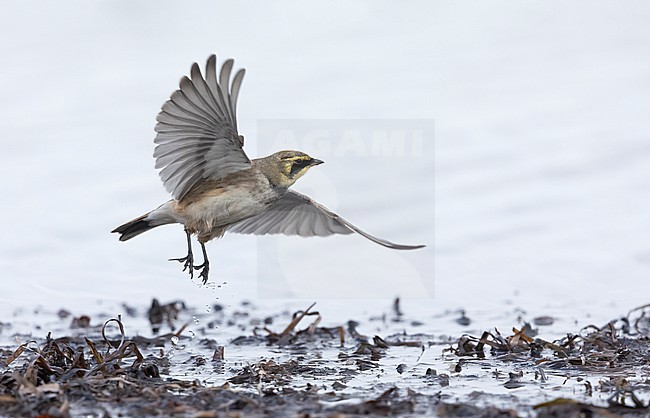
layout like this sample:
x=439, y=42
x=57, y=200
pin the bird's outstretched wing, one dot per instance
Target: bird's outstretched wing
x=297, y=214
x=197, y=130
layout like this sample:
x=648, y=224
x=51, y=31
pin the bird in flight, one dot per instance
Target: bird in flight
x=215, y=187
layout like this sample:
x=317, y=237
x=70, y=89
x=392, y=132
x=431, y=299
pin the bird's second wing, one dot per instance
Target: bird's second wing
x=297, y=214
x=197, y=130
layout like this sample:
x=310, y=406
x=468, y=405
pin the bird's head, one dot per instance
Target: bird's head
x=289, y=166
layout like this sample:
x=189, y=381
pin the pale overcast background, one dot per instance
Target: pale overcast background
x=540, y=165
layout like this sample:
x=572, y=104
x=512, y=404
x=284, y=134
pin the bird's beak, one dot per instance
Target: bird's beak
x=315, y=161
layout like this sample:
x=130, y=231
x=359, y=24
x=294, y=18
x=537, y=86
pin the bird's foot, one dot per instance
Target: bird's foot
x=205, y=269
x=188, y=263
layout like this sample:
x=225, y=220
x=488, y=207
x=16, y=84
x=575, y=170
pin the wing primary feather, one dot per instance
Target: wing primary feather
x=379, y=241
x=194, y=154
x=184, y=125
x=234, y=95
x=213, y=85
x=189, y=93
x=211, y=74
x=175, y=113
x=224, y=80
x=164, y=150
x=203, y=90
x=177, y=109
x=178, y=136
x=182, y=104
x=178, y=168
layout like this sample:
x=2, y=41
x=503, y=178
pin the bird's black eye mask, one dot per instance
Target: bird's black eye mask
x=299, y=165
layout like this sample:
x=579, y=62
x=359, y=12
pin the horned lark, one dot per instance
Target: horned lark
x=216, y=188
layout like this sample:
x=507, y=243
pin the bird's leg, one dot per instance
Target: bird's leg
x=205, y=267
x=188, y=260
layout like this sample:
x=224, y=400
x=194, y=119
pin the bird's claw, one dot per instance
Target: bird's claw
x=188, y=263
x=205, y=269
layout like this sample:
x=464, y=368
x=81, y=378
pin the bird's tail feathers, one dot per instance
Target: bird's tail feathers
x=134, y=228
x=150, y=220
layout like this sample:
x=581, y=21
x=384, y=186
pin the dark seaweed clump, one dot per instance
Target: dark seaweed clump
x=98, y=375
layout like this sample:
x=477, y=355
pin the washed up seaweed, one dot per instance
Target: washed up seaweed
x=616, y=353
x=290, y=364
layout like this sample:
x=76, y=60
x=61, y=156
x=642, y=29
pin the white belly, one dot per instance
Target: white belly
x=223, y=209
